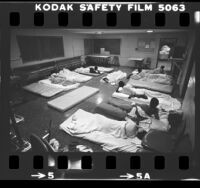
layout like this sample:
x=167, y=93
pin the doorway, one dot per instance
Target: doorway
x=165, y=51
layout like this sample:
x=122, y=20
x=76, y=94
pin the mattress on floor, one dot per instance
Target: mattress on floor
x=72, y=98
x=166, y=102
x=151, y=85
x=73, y=76
x=86, y=71
x=105, y=69
x=87, y=131
x=64, y=87
x=43, y=89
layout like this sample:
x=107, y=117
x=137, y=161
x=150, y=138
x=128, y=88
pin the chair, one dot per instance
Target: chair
x=40, y=145
x=164, y=142
x=147, y=63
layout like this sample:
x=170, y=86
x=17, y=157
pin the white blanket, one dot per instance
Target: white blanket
x=150, y=77
x=99, y=129
x=166, y=102
x=105, y=69
x=73, y=76
x=114, y=77
x=66, y=88
x=152, y=123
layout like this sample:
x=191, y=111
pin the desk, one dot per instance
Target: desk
x=138, y=61
x=98, y=60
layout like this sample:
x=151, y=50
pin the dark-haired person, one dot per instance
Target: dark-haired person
x=121, y=84
x=162, y=69
x=139, y=70
x=151, y=109
x=94, y=70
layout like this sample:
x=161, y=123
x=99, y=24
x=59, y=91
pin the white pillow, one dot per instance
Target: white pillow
x=159, y=125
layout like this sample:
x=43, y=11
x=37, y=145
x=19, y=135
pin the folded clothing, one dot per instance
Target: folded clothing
x=110, y=111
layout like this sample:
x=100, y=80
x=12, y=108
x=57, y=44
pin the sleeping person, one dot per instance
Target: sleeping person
x=132, y=92
x=83, y=122
x=94, y=70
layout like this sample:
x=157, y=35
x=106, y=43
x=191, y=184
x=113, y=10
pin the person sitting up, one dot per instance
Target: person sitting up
x=162, y=71
x=94, y=70
x=151, y=109
x=121, y=84
x=139, y=70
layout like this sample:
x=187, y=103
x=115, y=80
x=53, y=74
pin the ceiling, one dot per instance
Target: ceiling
x=121, y=31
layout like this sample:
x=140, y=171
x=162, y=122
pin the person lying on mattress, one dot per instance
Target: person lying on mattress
x=139, y=70
x=144, y=120
x=127, y=89
x=83, y=122
x=158, y=70
x=94, y=70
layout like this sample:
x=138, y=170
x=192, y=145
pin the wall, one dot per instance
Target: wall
x=129, y=45
x=186, y=64
x=189, y=108
x=73, y=43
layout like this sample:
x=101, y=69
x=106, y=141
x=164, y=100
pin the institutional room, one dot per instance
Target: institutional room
x=102, y=90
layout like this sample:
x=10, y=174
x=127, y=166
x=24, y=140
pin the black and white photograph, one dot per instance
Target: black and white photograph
x=89, y=90
x=98, y=90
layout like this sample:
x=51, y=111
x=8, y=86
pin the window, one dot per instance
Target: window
x=37, y=48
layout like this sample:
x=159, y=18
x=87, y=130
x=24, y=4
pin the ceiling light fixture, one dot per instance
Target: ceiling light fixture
x=149, y=31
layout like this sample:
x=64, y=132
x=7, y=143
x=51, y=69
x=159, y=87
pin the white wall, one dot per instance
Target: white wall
x=73, y=43
x=189, y=108
x=129, y=44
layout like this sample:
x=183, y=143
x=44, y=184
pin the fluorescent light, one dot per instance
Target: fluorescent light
x=149, y=31
x=99, y=32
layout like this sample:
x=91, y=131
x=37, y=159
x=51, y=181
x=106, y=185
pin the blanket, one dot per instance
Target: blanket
x=114, y=77
x=86, y=71
x=151, y=123
x=72, y=76
x=101, y=130
x=105, y=69
x=64, y=87
x=157, y=78
x=165, y=88
x=166, y=102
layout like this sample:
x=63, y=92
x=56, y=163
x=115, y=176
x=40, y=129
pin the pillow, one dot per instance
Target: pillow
x=159, y=125
x=131, y=128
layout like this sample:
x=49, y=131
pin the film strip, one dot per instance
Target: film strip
x=148, y=17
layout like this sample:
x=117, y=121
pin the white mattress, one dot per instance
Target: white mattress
x=43, y=89
x=66, y=88
x=151, y=85
x=72, y=98
x=87, y=131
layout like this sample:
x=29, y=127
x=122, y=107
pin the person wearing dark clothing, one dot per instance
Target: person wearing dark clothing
x=94, y=70
x=151, y=109
x=162, y=71
x=121, y=84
